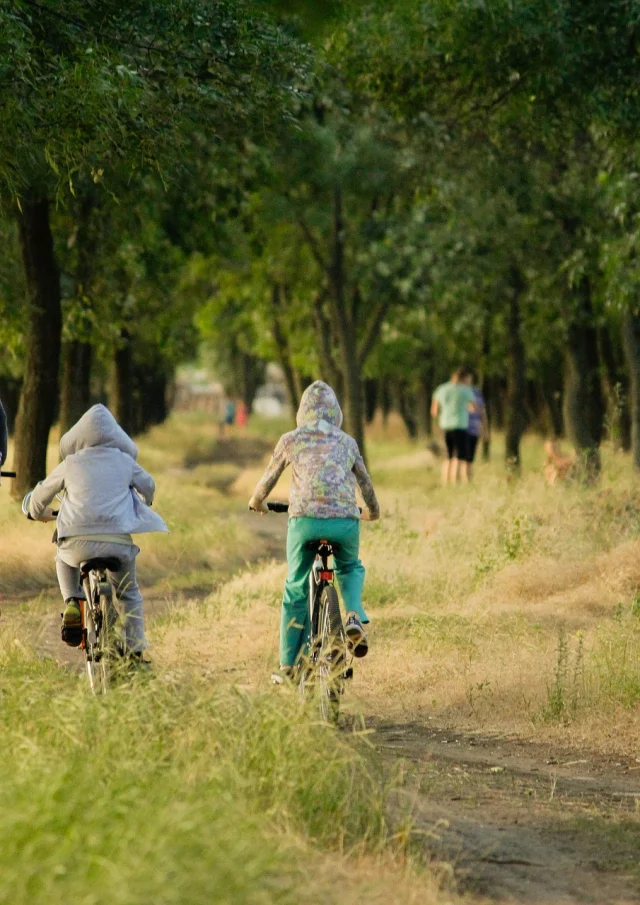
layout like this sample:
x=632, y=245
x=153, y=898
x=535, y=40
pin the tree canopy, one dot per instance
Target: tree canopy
x=364, y=191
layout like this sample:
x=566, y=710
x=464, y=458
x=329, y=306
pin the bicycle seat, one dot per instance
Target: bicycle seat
x=316, y=544
x=100, y=564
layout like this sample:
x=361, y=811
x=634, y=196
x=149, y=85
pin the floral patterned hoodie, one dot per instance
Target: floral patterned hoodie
x=326, y=462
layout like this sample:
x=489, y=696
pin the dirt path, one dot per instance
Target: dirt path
x=520, y=822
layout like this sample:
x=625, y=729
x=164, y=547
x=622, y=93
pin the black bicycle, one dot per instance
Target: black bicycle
x=98, y=634
x=323, y=667
x=100, y=638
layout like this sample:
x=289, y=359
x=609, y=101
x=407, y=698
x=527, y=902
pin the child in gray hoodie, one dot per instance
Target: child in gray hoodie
x=106, y=497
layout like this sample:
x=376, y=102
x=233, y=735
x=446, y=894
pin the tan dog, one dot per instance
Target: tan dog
x=557, y=467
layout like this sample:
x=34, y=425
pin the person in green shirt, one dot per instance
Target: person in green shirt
x=451, y=405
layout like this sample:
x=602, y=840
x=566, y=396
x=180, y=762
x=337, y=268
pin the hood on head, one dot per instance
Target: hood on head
x=319, y=403
x=97, y=427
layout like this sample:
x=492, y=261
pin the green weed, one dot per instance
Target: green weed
x=564, y=692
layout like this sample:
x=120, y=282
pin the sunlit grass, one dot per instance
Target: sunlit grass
x=178, y=790
x=205, y=785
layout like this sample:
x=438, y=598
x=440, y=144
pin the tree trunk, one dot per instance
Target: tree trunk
x=423, y=406
x=75, y=390
x=122, y=386
x=496, y=394
x=583, y=400
x=487, y=389
x=405, y=407
x=290, y=380
x=252, y=375
x=77, y=353
x=386, y=403
x=485, y=386
x=353, y=390
x=344, y=325
x=371, y=387
x=329, y=371
x=551, y=388
x=149, y=394
x=39, y=398
x=281, y=341
x=10, y=396
x=516, y=376
x=631, y=346
x=617, y=392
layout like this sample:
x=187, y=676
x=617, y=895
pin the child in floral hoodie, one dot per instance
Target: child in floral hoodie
x=326, y=465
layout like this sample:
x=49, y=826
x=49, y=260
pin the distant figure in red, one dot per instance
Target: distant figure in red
x=241, y=414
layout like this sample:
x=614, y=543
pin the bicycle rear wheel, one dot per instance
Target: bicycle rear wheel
x=330, y=655
x=100, y=639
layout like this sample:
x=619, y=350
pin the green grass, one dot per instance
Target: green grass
x=171, y=792
x=598, y=679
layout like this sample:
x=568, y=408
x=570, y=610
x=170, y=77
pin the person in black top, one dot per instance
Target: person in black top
x=3, y=435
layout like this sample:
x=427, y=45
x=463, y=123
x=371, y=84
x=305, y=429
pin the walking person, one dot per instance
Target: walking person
x=478, y=424
x=451, y=405
x=228, y=417
x=241, y=414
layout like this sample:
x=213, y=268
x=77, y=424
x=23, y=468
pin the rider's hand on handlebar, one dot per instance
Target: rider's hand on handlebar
x=367, y=516
x=258, y=506
x=49, y=515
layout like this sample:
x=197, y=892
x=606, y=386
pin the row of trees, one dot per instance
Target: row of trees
x=110, y=112
x=421, y=184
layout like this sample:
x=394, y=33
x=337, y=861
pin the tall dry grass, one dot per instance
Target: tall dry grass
x=509, y=606
x=470, y=590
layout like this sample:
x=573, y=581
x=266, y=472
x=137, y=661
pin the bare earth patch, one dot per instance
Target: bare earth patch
x=520, y=821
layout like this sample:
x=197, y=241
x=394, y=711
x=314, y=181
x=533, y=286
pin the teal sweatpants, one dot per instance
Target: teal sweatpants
x=294, y=626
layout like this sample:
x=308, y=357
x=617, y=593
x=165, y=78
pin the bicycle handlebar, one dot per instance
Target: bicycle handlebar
x=281, y=507
x=278, y=507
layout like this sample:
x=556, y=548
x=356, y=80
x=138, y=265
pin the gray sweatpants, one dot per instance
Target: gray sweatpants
x=71, y=553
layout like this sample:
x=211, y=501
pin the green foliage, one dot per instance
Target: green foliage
x=88, y=87
x=563, y=694
x=11, y=299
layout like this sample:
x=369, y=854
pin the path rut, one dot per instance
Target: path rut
x=511, y=821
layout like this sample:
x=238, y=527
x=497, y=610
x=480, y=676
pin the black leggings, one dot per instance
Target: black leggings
x=456, y=441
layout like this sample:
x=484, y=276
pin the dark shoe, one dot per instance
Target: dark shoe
x=72, y=624
x=137, y=662
x=356, y=636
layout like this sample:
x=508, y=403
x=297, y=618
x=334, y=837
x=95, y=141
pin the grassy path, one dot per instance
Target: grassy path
x=503, y=681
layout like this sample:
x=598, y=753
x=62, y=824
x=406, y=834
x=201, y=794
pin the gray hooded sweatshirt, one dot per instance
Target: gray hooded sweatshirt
x=326, y=462
x=104, y=489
